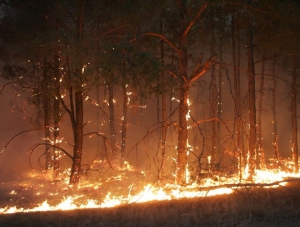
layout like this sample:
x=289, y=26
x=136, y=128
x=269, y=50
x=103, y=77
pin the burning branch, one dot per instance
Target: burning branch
x=66, y=108
x=52, y=146
x=96, y=133
x=97, y=105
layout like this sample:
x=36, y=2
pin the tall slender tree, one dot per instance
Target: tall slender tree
x=251, y=97
x=56, y=116
x=46, y=83
x=214, y=93
x=274, y=100
x=294, y=115
x=187, y=16
x=260, y=160
x=76, y=86
x=163, y=139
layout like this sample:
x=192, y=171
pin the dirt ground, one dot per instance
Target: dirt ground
x=259, y=207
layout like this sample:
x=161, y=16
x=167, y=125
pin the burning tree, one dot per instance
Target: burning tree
x=69, y=66
x=40, y=73
x=64, y=53
x=188, y=15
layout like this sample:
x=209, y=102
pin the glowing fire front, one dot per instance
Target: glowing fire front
x=207, y=187
x=149, y=193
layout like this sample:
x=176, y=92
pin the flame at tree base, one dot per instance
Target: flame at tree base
x=79, y=198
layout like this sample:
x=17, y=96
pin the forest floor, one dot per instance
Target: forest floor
x=251, y=206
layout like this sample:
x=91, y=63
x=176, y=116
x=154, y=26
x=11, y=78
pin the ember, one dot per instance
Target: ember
x=92, y=196
x=118, y=103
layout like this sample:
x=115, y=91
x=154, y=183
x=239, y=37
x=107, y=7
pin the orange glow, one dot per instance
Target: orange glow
x=118, y=190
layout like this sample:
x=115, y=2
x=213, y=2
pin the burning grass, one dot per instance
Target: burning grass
x=125, y=197
x=245, y=207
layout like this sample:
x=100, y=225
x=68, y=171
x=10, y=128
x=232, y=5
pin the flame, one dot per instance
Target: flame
x=149, y=193
x=220, y=185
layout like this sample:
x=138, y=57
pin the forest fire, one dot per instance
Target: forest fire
x=124, y=104
x=89, y=196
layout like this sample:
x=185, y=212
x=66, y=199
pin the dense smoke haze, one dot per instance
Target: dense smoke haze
x=14, y=158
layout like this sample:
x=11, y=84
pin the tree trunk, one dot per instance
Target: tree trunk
x=251, y=99
x=182, y=112
x=260, y=159
x=185, y=25
x=294, y=117
x=237, y=97
x=275, y=134
x=78, y=137
x=98, y=83
x=182, y=134
x=213, y=97
x=219, y=102
x=124, y=124
x=163, y=133
x=111, y=107
x=47, y=113
x=56, y=117
x=77, y=120
x=185, y=82
x=163, y=107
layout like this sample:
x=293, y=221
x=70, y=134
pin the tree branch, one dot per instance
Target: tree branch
x=172, y=74
x=5, y=146
x=96, y=133
x=52, y=146
x=203, y=70
x=172, y=45
x=193, y=21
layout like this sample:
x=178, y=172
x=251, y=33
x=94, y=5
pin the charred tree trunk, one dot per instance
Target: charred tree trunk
x=182, y=112
x=220, y=90
x=56, y=117
x=237, y=97
x=47, y=113
x=77, y=116
x=241, y=125
x=163, y=133
x=294, y=117
x=78, y=138
x=213, y=97
x=125, y=112
x=98, y=83
x=163, y=107
x=260, y=159
x=182, y=134
x=251, y=99
x=275, y=134
x=112, y=128
x=124, y=124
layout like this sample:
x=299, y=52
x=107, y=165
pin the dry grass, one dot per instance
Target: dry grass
x=245, y=208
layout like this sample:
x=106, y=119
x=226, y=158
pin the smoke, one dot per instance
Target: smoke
x=14, y=160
